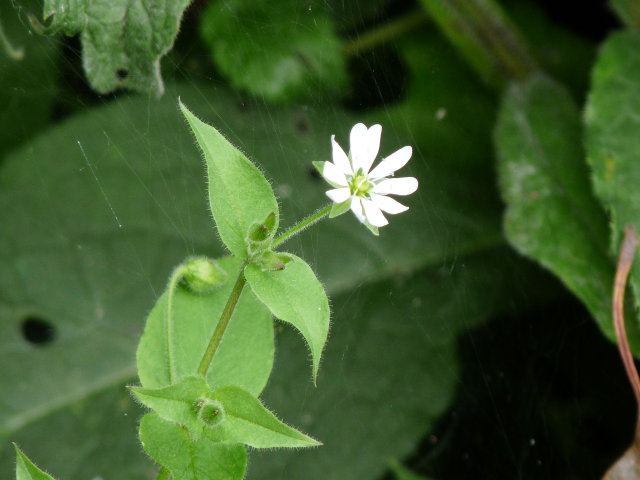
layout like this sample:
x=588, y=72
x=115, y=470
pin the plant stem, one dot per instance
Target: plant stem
x=218, y=333
x=176, y=276
x=299, y=227
x=163, y=474
x=385, y=33
x=627, y=254
x=485, y=36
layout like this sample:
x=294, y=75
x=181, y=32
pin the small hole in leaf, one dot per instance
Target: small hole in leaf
x=38, y=331
x=122, y=74
x=314, y=174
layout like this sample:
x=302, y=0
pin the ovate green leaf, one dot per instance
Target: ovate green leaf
x=276, y=50
x=175, y=403
x=295, y=296
x=244, y=357
x=28, y=75
x=247, y=421
x=239, y=195
x=613, y=135
x=187, y=458
x=122, y=41
x=26, y=470
x=552, y=215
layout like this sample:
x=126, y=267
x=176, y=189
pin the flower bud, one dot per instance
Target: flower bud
x=202, y=275
x=210, y=412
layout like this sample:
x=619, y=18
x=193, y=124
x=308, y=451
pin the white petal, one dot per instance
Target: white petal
x=338, y=195
x=388, y=204
x=393, y=162
x=396, y=186
x=373, y=146
x=340, y=158
x=333, y=175
x=358, y=144
x=373, y=214
x=356, y=208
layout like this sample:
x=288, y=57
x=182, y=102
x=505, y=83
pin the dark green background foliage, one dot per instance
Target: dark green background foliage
x=470, y=340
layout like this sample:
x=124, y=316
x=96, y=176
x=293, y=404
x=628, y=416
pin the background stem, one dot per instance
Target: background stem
x=627, y=254
x=485, y=36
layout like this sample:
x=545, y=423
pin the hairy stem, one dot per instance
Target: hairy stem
x=627, y=254
x=385, y=33
x=221, y=327
x=299, y=227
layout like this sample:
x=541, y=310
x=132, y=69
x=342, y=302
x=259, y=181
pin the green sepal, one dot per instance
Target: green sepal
x=26, y=470
x=270, y=261
x=189, y=458
x=260, y=234
x=176, y=403
x=239, y=194
x=372, y=228
x=295, y=295
x=248, y=421
x=338, y=209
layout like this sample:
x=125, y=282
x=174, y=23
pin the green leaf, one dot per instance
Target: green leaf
x=122, y=41
x=175, y=403
x=28, y=75
x=552, y=214
x=247, y=421
x=239, y=195
x=188, y=458
x=295, y=296
x=26, y=470
x=194, y=320
x=612, y=140
x=280, y=50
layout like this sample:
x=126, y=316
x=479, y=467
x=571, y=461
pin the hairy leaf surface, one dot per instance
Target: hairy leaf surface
x=122, y=40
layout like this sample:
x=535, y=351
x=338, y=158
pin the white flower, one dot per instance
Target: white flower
x=363, y=191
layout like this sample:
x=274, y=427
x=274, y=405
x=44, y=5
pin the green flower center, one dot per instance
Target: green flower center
x=360, y=185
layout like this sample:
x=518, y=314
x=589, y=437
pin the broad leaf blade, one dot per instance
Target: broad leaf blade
x=295, y=295
x=175, y=403
x=122, y=41
x=28, y=79
x=613, y=140
x=552, y=215
x=286, y=49
x=248, y=421
x=187, y=458
x=194, y=320
x=26, y=470
x=239, y=195
x=95, y=276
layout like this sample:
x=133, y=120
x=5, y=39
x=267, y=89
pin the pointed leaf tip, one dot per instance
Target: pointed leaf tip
x=294, y=295
x=25, y=468
x=239, y=194
x=248, y=421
